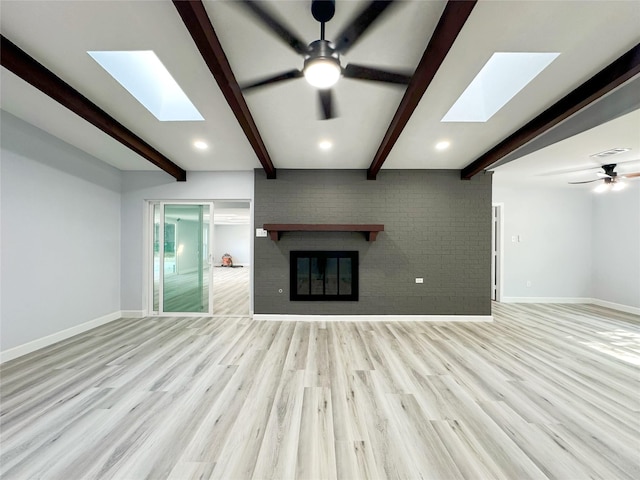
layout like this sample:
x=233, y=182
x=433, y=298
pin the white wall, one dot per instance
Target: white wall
x=60, y=211
x=616, y=246
x=139, y=187
x=234, y=240
x=575, y=244
x=555, y=249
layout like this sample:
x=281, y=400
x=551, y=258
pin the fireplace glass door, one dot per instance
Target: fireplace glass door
x=324, y=275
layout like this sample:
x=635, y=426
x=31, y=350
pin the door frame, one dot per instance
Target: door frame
x=497, y=250
x=149, y=267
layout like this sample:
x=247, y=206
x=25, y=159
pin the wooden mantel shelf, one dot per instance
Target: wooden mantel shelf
x=276, y=229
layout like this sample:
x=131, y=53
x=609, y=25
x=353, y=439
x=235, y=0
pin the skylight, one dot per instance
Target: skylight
x=144, y=76
x=501, y=78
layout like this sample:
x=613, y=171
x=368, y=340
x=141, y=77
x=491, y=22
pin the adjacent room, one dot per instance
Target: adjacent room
x=319, y=239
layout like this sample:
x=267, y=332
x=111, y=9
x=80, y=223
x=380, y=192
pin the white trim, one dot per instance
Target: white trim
x=546, y=300
x=39, y=343
x=371, y=318
x=132, y=314
x=585, y=300
x=500, y=239
x=616, y=306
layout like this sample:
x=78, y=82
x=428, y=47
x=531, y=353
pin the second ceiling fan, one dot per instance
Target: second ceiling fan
x=322, y=68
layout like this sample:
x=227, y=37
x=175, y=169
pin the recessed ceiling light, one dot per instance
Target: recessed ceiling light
x=501, y=78
x=443, y=145
x=200, y=145
x=144, y=76
x=325, y=145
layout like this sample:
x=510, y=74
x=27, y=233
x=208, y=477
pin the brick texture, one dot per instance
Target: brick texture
x=437, y=227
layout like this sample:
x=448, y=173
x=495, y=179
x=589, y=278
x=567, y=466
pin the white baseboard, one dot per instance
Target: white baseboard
x=545, y=300
x=39, y=343
x=132, y=313
x=585, y=300
x=616, y=306
x=371, y=318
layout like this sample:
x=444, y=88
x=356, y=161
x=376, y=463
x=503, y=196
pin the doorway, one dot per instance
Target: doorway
x=231, y=257
x=201, y=258
x=182, y=237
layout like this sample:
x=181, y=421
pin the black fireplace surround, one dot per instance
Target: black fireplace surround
x=324, y=275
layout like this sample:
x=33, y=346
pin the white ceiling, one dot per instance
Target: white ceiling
x=588, y=34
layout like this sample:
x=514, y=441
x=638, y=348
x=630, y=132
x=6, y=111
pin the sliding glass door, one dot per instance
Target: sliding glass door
x=182, y=234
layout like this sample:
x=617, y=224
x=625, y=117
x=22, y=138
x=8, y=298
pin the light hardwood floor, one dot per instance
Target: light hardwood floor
x=545, y=391
x=230, y=292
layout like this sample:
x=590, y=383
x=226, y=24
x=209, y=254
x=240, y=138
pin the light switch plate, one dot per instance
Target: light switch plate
x=261, y=232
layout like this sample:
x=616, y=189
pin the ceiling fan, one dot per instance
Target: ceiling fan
x=322, y=67
x=609, y=178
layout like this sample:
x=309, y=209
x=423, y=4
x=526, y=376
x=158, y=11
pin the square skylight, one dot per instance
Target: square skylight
x=144, y=76
x=501, y=78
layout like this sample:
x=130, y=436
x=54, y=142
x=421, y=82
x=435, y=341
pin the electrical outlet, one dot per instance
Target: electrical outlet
x=261, y=232
x=419, y=280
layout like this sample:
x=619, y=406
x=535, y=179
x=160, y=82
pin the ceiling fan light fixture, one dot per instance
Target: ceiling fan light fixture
x=322, y=72
x=322, y=65
x=617, y=186
x=603, y=187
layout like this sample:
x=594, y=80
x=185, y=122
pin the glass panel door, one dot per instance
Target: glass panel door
x=181, y=258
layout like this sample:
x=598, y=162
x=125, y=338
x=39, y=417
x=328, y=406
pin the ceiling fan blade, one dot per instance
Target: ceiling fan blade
x=352, y=32
x=281, y=77
x=375, y=74
x=326, y=104
x=588, y=181
x=284, y=33
x=630, y=175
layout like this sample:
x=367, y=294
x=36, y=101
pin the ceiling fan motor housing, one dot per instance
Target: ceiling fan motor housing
x=608, y=169
x=321, y=49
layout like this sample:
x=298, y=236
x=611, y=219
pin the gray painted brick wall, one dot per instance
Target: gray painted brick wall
x=437, y=227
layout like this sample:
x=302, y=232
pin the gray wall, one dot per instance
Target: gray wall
x=140, y=186
x=436, y=227
x=60, y=254
x=576, y=244
x=555, y=249
x=616, y=246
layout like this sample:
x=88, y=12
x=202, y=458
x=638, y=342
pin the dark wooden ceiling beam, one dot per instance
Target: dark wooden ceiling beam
x=197, y=21
x=24, y=66
x=603, y=82
x=449, y=26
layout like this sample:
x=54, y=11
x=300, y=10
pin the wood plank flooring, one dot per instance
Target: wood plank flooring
x=545, y=391
x=230, y=292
